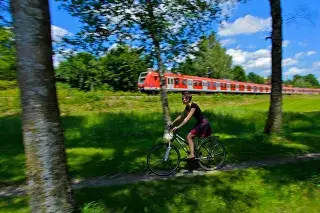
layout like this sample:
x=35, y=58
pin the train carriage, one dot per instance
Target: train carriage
x=149, y=82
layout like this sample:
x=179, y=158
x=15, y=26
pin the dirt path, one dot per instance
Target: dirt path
x=119, y=179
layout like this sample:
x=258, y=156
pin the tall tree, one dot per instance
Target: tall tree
x=122, y=67
x=48, y=181
x=312, y=80
x=165, y=29
x=79, y=71
x=254, y=78
x=274, y=121
x=211, y=60
x=239, y=74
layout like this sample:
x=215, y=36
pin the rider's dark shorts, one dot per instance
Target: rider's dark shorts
x=202, y=129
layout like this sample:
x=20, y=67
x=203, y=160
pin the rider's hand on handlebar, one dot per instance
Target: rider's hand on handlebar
x=174, y=129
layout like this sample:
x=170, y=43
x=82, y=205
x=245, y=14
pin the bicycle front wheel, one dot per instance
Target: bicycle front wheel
x=211, y=155
x=162, y=160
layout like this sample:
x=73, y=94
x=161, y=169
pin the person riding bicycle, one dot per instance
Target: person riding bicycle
x=201, y=129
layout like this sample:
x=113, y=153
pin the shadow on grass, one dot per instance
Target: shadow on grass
x=287, y=187
x=107, y=143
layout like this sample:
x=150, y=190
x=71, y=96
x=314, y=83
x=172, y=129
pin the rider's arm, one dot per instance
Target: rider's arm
x=177, y=119
x=187, y=118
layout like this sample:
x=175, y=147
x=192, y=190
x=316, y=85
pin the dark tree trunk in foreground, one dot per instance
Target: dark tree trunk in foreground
x=274, y=121
x=48, y=182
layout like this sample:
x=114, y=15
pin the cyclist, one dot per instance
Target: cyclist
x=201, y=129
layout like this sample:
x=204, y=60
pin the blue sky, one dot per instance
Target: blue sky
x=243, y=35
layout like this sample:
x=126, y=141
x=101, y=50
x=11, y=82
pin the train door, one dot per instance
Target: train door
x=190, y=84
x=170, y=83
x=228, y=87
x=218, y=86
x=204, y=85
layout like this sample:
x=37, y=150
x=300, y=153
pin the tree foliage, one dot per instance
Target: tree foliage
x=175, y=24
x=117, y=70
x=7, y=55
x=254, y=78
x=239, y=74
x=164, y=29
x=122, y=67
x=307, y=81
x=210, y=60
x=79, y=71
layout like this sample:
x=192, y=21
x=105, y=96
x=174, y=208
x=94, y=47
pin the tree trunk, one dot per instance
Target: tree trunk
x=48, y=182
x=163, y=90
x=274, y=121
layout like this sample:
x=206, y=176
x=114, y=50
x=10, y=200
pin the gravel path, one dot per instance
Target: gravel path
x=119, y=179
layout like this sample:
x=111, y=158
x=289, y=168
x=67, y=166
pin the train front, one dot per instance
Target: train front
x=141, y=81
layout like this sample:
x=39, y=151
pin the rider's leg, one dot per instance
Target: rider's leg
x=191, y=144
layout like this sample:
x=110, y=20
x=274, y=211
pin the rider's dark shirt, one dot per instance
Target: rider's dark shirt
x=197, y=114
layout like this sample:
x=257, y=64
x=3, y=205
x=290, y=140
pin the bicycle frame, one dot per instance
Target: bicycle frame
x=182, y=141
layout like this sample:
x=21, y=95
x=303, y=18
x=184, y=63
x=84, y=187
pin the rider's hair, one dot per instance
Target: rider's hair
x=187, y=95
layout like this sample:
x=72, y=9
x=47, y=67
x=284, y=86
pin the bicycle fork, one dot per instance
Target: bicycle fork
x=167, y=152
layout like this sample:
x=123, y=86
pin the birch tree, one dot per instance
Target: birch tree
x=47, y=173
x=166, y=29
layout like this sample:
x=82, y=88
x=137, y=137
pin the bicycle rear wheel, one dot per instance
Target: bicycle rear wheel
x=163, y=161
x=211, y=155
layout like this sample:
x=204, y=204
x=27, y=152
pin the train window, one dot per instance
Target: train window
x=214, y=84
x=155, y=78
x=209, y=84
x=200, y=83
x=184, y=82
x=177, y=81
x=168, y=80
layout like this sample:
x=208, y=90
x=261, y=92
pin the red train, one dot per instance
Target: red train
x=149, y=82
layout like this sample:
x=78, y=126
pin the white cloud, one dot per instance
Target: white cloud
x=245, y=25
x=295, y=71
x=301, y=55
x=311, y=53
x=289, y=62
x=316, y=64
x=303, y=43
x=259, y=59
x=285, y=43
x=58, y=32
x=260, y=63
x=226, y=42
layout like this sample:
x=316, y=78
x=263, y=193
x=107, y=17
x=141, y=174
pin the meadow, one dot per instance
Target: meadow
x=108, y=133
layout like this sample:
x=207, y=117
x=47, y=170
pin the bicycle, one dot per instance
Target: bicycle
x=169, y=153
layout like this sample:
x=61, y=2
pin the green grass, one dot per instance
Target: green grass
x=286, y=189
x=105, y=134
